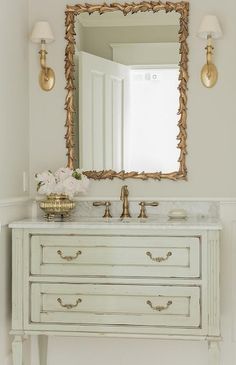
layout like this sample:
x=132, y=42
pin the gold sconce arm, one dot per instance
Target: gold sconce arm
x=209, y=28
x=209, y=50
x=209, y=73
x=43, y=54
x=42, y=34
x=47, y=75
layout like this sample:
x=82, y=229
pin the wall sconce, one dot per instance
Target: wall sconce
x=42, y=34
x=209, y=28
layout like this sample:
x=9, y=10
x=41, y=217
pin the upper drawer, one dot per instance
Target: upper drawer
x=115, y=256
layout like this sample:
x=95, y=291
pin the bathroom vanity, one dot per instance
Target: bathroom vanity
x=109, y=277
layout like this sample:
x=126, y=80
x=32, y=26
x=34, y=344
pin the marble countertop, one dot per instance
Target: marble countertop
x=154, y=222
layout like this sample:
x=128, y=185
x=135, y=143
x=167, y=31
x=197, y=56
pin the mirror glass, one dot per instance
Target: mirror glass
x=127, y=97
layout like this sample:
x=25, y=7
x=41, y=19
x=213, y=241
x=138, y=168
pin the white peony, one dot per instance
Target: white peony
x=45, y=177
x=59, y=188
x=46, y=182
x=63, y=173
x=64, y=181
x=71, y=186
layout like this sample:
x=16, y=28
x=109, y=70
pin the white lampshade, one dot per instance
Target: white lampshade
x=42, y=31
x=210, y=26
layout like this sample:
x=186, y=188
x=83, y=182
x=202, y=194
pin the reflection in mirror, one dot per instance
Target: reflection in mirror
x=130, y=98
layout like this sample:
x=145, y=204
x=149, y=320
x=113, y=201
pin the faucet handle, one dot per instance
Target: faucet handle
x=107, y=204
x=143, y=206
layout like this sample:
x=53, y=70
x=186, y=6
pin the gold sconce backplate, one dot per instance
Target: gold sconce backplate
x=47, y=79
x=209, y=75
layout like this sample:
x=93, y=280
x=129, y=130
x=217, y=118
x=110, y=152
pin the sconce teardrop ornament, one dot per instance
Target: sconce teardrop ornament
x=209, y=75
x=47, y=79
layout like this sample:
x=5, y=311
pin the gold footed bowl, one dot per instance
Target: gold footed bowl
x=57, y=205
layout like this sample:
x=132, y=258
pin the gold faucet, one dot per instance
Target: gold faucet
x=124, y=197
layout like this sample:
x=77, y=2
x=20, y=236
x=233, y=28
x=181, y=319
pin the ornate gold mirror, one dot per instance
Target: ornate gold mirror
x=126, y=68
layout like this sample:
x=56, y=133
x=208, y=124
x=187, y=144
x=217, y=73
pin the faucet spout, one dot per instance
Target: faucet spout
x=124, y=197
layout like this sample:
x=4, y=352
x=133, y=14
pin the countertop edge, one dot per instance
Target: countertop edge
x=121, y=226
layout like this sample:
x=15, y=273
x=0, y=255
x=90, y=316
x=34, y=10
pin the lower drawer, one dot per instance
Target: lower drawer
x=171, y=306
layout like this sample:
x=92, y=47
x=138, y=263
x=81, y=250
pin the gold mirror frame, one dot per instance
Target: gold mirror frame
x=71, y=12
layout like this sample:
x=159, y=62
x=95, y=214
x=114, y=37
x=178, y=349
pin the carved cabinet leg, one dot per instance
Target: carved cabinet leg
x=17, y=350
x=43, y=349
x=213, y=353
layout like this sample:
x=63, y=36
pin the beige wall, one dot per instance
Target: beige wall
x=97, y=40
x=14, y=106
x=14, y=145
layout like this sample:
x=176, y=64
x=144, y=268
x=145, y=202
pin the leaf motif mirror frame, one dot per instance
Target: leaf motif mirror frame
x=74, y=10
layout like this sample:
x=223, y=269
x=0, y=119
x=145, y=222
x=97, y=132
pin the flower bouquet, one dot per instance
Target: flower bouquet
x=60, y=188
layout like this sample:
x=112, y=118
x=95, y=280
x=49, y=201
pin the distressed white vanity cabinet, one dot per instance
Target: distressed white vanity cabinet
x=152, y=280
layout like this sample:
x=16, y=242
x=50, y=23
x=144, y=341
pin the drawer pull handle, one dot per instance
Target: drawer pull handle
x=159, y=308
x=69, y=258
x=159, y=259
x=69, y=306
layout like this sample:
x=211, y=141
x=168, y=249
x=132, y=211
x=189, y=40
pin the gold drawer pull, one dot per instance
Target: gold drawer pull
x=159, y=308
x=69, y=306
x=69, y=258
x=159, y=259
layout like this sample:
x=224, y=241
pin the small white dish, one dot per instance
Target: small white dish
x=177, y=214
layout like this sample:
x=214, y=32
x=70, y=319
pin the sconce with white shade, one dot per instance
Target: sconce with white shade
x=209, y=28
x=42, y=34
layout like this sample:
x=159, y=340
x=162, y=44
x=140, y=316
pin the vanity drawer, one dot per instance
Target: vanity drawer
x=115, y=304
x=115, y=256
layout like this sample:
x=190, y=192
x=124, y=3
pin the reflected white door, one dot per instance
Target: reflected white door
x=151, y=132
x=102, y=109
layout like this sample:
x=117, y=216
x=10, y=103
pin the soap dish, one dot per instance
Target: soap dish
x=177, y=214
